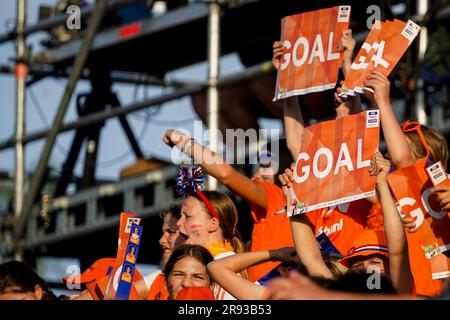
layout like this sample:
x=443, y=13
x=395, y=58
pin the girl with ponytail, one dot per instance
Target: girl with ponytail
x=209, y=219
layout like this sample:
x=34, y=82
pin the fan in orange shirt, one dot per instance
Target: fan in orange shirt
x=407, y=144
x=368, y=247
x=270, y=231
x=340, y=223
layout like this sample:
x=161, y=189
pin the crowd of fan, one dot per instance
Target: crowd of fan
x=204, y=257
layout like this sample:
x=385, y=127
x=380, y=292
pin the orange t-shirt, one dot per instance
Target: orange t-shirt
x=158, y=289
x=270, y=231
x=341, y=223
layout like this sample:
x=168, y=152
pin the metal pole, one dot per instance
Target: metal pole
x=49, y=23
x=80, y=60
x=249, y=73
x=419, y=106
x=213, y=72
x=21, y=77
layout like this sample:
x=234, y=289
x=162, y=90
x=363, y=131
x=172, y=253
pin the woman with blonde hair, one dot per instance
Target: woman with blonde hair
x=209, y=219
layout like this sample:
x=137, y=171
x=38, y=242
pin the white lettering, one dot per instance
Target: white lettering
x=301, y=51
x=195, y=310
x=304, y=42
x=426, y=203
x=343, y=159
x=305, y=169
x=317, y=50
x=287, y=55
x=359, y=163
x=322, y=174
x=331, y=55
x=416, y=213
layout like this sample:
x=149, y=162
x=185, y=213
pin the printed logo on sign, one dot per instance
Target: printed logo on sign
x=372, y=119
x=130, y=221
x=410, y=31
x=436, y=173
x=344, y=14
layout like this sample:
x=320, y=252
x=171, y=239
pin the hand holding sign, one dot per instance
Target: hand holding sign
x=443, y=196
x=293, y=205
x=380, y=167
x=380, y=85
x=277, y=54
x=347, y=44
x=441, y=189
x=412, y=189
x=384, y=46
x=332, y=166
x=311, y=60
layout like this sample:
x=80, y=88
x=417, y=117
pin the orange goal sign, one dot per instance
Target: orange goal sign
x=412, y=190
x=311, y=61
x=332, y=166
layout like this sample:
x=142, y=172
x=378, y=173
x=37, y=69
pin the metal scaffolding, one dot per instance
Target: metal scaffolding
x=72, y=61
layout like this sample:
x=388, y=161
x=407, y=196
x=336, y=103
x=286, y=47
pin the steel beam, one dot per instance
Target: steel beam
x=249, y=73
x=38, y=176
x=212, y=95
x=49, y=23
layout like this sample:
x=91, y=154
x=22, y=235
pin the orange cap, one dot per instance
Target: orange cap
x=195, y=293
x=367, y=243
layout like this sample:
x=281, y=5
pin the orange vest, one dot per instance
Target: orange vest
x=420, y=266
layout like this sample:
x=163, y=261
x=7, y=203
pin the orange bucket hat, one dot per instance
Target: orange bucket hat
x=367, y=243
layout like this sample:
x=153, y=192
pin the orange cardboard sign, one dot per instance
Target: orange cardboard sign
x=360, y=64
x=412, y=189
x=381, y=51
x=332, y=166
x=311, y=61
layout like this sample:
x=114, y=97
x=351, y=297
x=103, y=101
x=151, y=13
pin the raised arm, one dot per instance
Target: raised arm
x=347, y=45
x=218, y=168
x=292, y=114
x=225, y=271
x=293, y=125
x=399, y=267
x=396, y=142
x=302, y=232
x=299, y=287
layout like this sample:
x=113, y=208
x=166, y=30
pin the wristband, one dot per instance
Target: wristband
x=187, y=145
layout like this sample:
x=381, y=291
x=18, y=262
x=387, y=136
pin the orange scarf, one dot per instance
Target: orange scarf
x=217, y=248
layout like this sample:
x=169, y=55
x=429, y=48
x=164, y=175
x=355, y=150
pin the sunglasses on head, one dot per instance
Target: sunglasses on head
x=410, y=126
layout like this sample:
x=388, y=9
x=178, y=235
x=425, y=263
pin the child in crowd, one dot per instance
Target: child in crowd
x=270, y=231
x=19, y=282
x=186, y=268
x=370, y=248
